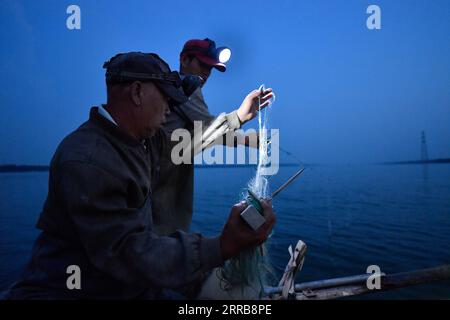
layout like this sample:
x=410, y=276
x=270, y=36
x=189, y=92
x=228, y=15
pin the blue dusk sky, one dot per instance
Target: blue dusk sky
x=345, y=94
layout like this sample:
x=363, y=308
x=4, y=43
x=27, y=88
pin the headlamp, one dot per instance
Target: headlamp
x=223, y=54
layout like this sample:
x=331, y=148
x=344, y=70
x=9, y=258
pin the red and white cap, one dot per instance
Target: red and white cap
x=204, y=50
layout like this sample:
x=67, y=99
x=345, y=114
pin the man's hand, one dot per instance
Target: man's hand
x=250, y=106
x=237, y=236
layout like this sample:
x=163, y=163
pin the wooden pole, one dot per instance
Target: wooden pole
x=294, y=265
x=356, y=285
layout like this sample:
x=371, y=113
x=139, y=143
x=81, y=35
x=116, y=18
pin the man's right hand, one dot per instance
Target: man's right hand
x=237, y=236
x=250, y=106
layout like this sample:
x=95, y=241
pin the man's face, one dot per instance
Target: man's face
x=155, y=108
x=191, y=65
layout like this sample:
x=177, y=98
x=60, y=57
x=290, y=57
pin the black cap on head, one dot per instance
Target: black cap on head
x=138, y=66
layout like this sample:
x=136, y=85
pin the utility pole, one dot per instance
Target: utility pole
x=424, y=149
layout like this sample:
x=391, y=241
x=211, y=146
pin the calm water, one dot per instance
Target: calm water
x=397, y=217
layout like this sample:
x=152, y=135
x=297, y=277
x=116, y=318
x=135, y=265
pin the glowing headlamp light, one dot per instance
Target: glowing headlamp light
x=223, y=54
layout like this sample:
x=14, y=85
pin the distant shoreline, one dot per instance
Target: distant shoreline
x=22, y=168
x=13, y=168
x=431, y=161
x=29, y=168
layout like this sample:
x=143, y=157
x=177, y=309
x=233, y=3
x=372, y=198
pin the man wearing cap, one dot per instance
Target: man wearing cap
x=97, y=237
x=173, y=195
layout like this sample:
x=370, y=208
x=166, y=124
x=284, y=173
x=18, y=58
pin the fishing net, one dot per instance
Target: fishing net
x=252, y=268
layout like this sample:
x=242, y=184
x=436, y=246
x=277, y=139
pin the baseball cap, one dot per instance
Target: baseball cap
x=145, y=67
x=204, y=50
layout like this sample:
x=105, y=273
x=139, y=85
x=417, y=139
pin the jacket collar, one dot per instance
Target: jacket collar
x=111, y=129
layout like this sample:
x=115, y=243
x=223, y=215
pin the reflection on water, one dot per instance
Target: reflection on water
x=397, y=217
x=425, y=176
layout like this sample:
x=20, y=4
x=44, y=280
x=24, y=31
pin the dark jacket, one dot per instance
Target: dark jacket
x=98, y=216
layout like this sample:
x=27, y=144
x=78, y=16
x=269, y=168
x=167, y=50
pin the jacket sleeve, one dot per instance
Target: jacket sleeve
x=215, y=132
x=214, y=128
x=119, y=240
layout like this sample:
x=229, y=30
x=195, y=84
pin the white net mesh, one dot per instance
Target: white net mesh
x=251, y=268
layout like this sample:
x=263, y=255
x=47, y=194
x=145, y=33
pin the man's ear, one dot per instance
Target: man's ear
x=136, y=92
